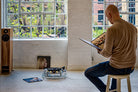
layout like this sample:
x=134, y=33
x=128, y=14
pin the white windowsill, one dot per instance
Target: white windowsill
x=40, y=39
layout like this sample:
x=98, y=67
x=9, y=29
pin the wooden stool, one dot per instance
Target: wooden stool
x=118, y=77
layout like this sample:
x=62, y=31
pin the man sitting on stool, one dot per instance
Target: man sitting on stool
x=120, y=45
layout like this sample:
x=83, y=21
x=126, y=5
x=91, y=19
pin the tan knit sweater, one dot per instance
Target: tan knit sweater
x=120, y=44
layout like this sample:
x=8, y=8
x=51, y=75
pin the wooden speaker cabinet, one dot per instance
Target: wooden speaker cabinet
x=6, y=50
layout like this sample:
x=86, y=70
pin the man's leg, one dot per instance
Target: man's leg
x=96, y=71
x=103, y=69
x=113, y=85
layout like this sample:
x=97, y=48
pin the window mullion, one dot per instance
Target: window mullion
x=55, y=18
x=43, y=21
x=5, y=15
x=104, y=19
x=31, y=22
x=19, y=27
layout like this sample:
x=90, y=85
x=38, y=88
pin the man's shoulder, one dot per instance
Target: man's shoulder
x=117, y=25
x=128, y=23
x=113, y=27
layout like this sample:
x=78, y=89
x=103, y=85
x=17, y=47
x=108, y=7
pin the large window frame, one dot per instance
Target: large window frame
x=55, y=28
x=128, y=14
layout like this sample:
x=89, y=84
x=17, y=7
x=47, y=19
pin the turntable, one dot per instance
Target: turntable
x=54, y=72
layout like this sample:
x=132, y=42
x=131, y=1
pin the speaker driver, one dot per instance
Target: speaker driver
x=5, y=31
x=5, y=37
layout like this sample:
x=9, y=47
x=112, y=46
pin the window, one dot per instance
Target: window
x=127, y=9
x=37, y=19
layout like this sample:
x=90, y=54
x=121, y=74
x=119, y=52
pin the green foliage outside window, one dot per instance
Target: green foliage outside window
x=37, y=20
x=97, y=32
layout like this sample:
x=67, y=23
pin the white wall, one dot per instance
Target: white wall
x=79, y=17
x=25, y=52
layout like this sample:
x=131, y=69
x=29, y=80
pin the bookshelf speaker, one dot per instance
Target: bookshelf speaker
x=6, y=50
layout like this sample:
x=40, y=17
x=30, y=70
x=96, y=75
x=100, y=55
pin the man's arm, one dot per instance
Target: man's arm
x=108, y=45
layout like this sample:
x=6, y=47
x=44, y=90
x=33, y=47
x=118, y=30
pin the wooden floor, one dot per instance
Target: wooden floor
x=75, y=82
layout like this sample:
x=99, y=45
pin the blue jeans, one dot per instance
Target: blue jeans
x=102, y=69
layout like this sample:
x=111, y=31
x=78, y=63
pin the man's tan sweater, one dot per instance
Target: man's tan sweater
x=120, y=44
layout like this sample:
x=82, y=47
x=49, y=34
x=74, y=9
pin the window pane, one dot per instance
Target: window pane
x=112, y=0
x=96, y=31
x=35, y=0
x=13, y=8
x=136, y=20
x=61, y=32
x=47, y=0
x=62, y=0
x=61, y=19
x=15, y=33
x=37, y=32
x=24, y=32
x=12, y=20
x=37, y=19
x=108, y=3
x=26, y=7
x=25, y=20
x=48, y=19
x=132, y=18
x=13, y=0
x=60, y=7
x=49, y=7
x=96, y=21
x=49, y=32
x=127, y=7
x=97, y=7
x=107, y=23
x=25, y=0
x=97, y=14
x=36, y=7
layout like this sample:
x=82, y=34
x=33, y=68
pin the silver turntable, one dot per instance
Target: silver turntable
x=54, y=72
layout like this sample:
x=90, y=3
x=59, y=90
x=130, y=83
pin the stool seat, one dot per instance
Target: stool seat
x=118, y=78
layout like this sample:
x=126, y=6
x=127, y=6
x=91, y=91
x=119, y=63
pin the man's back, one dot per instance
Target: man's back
x=124, y=46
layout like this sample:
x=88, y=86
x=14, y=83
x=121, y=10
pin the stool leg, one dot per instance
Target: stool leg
x=118, y=85
x=108, y=84
x=128, y=84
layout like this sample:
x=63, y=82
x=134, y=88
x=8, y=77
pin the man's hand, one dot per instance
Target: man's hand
x=98, y=50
